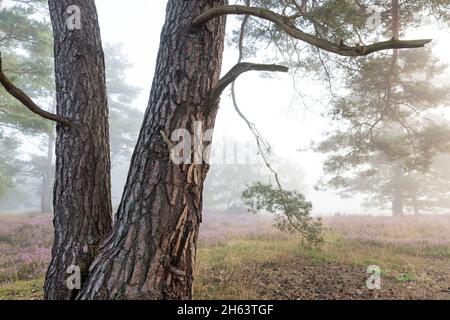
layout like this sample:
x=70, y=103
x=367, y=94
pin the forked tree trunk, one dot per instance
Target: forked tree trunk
x=82, y=195
x=151, y=252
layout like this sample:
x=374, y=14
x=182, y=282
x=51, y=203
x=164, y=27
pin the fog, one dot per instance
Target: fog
x=272, y=104
x=288, y=121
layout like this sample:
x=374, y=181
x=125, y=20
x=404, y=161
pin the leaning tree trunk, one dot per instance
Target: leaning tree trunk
x=82, y=195
x=151, y=251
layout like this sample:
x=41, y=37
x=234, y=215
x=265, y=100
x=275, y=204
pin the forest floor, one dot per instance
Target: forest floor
x=244, y=257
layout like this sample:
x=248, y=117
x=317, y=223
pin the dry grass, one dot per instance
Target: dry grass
x=412, y=252
x=244, y=257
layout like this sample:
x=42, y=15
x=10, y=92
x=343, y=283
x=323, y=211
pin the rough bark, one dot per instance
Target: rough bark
x=151, y=251
x=82, y=196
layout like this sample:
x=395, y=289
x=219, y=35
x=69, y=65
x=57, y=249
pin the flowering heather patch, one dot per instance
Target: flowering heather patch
x=25, y=242
x=412, y=230
x=394, y=243
x=428, y=230
x=220, y=227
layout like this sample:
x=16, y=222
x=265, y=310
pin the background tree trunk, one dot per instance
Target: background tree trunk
x=82, y=195
x=151, y=252
x=416, y=206
x=398, y=201
x=48, y=176
x=395, y=19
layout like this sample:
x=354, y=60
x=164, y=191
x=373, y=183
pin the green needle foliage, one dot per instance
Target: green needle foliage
x=26, y=43
x=387, y=130
x=26, y=46
x=291, y=210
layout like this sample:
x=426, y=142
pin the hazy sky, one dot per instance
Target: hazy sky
x=267, y=102
x=286, y=123
x=138, y=24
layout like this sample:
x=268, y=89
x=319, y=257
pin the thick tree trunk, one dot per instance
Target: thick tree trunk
x=82, y=195
x=151, y=252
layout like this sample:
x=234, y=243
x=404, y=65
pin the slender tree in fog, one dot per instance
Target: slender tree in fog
x=27, y=48
x=390, y=133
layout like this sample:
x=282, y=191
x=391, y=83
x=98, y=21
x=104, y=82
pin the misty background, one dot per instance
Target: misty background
x=289, y=111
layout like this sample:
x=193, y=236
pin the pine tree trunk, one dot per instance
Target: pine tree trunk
x=48, y=175
x=397, y=207
x=82, y=195
x=395, y=14
x=416, y=206
x=151, y=252
x=47, y=178
x=416, y=211
x=398, y=201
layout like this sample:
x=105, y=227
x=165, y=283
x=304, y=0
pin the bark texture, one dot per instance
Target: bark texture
x=151, y=251
x=82, y=195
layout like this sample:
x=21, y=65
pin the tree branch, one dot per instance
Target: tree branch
x=239, y=69
x=26, y=100
x=286, y=24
